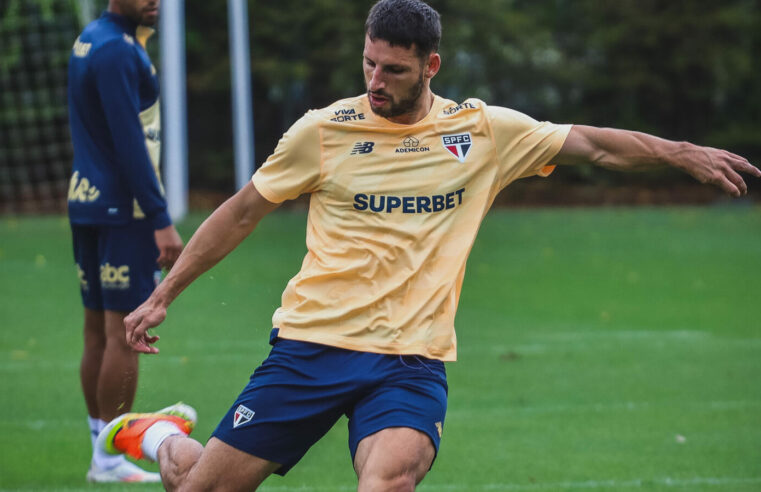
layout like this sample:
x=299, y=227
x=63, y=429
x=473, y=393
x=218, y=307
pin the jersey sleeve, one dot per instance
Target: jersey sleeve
x=117, y=81
x=525, y=147
x=295, y=166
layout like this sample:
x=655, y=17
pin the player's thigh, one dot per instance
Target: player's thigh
x=95, y=327
x=395, y=458
x=128, y=269
x=395, y=429
x=222, y=467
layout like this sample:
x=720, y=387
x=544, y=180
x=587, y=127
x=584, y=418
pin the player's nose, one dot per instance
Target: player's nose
x=376, y=81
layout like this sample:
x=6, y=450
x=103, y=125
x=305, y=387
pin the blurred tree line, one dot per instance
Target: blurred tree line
x=684, y=69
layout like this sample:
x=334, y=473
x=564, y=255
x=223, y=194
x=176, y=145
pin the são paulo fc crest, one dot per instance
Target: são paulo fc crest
x=458, y=145
x=243, y=414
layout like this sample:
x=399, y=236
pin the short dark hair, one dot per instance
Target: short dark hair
x=404, y=23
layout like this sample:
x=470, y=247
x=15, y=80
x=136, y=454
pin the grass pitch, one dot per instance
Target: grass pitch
x=599, y=350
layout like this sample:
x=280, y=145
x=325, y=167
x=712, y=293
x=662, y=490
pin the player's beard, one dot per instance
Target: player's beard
x=148, y=20
x=405, y=105
x=142, y=14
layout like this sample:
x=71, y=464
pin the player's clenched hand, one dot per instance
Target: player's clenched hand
x=170, y=246
x=716, y=167
x=137, y=324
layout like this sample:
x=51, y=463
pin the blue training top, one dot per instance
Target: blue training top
x=113, y=111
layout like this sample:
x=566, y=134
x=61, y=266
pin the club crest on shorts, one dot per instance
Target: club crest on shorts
x=458, y=144
x=242, y=415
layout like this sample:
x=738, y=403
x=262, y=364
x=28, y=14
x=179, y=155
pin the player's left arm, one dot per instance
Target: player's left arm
x=624, y=150
x=219, y=234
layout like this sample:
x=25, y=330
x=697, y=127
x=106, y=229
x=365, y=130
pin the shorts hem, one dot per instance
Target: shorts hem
x=101, y=307
x=436, y=445
x=93, y=306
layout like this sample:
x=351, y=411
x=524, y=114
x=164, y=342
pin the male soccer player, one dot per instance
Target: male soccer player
x=400, y=180
x=121, y=231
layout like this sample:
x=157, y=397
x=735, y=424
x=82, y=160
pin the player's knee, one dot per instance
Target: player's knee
x=118, y=347
x=94, y=343
x=403, y=482
x=116, y=339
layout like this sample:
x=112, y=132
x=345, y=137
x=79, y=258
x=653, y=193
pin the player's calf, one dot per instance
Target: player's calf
x=177, y=456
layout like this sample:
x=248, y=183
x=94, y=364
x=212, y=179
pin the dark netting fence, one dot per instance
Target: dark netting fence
x=35, y=145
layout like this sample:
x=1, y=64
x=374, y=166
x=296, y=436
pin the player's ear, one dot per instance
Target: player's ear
x=432, y=65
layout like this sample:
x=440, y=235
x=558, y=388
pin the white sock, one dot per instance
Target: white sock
x=100, y=458
x=96, y=425
x=155, y=436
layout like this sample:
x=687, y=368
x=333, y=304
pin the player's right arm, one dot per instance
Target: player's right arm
x=115, y=68
x=222, y=232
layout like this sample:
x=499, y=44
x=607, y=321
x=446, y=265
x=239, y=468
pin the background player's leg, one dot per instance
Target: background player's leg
x=103, y=367
x=393, y=459
x=186, y=465
x=92, y=358
x=118, y=374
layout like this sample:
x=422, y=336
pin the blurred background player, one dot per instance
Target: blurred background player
x=121, y=230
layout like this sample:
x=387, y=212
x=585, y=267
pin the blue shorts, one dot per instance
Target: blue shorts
x=302, y=389
x=116, y=264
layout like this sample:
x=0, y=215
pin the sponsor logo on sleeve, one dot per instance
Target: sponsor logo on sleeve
x=81, y=49
x=458, y=144
x=454, y=109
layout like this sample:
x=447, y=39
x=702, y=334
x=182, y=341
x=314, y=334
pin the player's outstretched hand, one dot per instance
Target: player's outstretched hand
x=137, y=324
x=716, y=167
x=170, y=246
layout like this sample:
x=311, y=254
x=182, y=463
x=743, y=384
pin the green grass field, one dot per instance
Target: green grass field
x=599, y=349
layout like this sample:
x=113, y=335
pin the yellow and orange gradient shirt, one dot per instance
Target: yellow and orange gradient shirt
x=394, y=210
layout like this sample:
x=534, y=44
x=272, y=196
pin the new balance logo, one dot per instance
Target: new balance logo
x=362, y=148
x=243, y=414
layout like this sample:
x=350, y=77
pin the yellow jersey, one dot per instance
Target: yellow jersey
x=393, y=214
